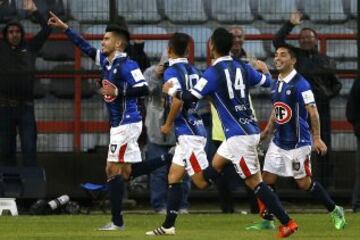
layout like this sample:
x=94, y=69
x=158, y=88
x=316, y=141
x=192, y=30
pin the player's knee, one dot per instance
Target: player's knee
x=216, y=166
x=304, y=184
x=173, y=177
x=112, y=170
x=201, y=184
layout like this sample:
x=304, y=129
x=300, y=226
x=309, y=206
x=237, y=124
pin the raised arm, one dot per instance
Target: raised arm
x=279, y=39
x=39, y=39
x=319, y=145
x=56, y=22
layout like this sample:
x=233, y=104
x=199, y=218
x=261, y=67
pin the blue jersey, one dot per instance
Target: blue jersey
x=123, y=73
x=227, y=82
x=184, y=77
x=289, y=97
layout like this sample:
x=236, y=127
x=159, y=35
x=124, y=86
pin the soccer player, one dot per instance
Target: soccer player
x=227, y=83
x=289, y=152
x=122, y=83
x=190, y=132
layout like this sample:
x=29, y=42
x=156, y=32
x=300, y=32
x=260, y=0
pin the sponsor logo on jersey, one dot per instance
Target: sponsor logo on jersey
x=283, y=112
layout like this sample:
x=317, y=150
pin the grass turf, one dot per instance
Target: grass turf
x=192, y=226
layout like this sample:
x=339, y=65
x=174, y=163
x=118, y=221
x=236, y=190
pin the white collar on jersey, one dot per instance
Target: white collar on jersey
x=220, y=59
x=173, y=61
x=118, y=54
x=288, y=78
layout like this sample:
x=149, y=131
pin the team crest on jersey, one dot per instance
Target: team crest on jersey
x=115, y=71
x=296, y=166
x=283, y=112
x=108, y=98
x=288, y=92
x=113, y=148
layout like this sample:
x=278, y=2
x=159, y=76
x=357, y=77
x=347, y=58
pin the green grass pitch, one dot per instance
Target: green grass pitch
x=189, y=227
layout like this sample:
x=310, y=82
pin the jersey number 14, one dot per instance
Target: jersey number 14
x=238, y=84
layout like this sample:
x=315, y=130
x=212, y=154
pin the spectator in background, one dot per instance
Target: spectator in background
x=159, y=143
x=135, y=50
x=318, y=70
x=17, y=66
x=353, y=116
x=237, y=50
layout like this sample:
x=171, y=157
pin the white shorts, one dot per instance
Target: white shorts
x=288, y=163
x=123, y=147
x=190, y=154
x=242, y=152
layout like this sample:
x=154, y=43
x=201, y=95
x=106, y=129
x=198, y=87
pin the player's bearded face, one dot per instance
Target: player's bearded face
x=283, y=60
x=108, y=44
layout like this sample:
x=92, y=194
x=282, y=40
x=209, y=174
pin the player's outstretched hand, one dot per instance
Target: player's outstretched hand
x=56, y=22
x=165, y=129
x=295, y=18
x=166, y=87
x=320, y=146
x=261, y=66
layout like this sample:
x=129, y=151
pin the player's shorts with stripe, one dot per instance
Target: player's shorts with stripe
x=190, y=153
x=123, y=147
x=288, y=163
x=242, y=152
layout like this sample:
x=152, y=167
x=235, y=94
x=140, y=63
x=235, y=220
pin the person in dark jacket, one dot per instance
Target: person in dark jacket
x=17, y=65
x=319, y=71
x=353, y=116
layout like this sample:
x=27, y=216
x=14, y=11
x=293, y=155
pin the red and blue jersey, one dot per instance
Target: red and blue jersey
x=227, y=82
x=184, y=76
x=289, y=97
x=123, y=73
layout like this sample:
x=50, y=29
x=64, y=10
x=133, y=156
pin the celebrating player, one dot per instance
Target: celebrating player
x=190, y=132
x=227, y=83
x=289, y=152
x=122, y=83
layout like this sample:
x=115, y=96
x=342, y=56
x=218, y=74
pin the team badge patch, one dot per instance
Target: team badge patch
x=113, y=148
x=288, y=92
x=296, y=166
x=283, y=112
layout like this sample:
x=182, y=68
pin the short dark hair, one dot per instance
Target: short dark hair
x=179, y=42
x=222, y=40
x=289, y=48
x=120, y=31
x=309, y=29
